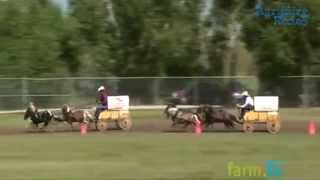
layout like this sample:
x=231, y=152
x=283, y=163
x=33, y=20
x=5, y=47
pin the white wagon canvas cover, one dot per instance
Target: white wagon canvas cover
x=266, y=103
x=118, y=102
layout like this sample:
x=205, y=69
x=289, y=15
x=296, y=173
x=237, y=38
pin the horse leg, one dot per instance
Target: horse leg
x=232, y=124
x=45, y=125
x=174, y=122
x=229, y=124
x=229, y=120
x=186, y=124
x=71, y=125
x=96, y=124
x=226, y=125
x=210, y=124
x=32, y=125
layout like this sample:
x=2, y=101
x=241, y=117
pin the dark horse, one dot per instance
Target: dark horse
x=212, y=115
x=79, y=116
x=38, y=117
x=179, y=116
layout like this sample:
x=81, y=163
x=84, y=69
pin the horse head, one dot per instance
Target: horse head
x=170, y=110
x=65, y=109
x=166, y=110
x=200, y=111
x=31, y=111
x=204, y=109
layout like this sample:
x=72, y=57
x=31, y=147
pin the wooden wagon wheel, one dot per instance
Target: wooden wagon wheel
x=248, y=127
x=273, y=127
x=102, y=125
x=118, y=125
x=125, y=124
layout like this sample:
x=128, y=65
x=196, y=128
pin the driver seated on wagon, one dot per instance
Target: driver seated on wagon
x=248, y=104
x=102, y=101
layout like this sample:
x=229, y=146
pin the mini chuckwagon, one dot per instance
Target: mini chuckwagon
x=266, y=111
x=117, y=112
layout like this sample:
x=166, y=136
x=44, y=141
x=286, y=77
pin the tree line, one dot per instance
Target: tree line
x=152, y=38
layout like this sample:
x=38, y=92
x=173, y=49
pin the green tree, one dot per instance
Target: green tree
x=30, y=35
x=157, y=37
x=281, y=50
x=87, y=42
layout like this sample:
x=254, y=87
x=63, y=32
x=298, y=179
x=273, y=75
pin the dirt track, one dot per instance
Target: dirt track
x=160, y=126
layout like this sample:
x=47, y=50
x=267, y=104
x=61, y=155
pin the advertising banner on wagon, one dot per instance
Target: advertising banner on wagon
x=118, y=102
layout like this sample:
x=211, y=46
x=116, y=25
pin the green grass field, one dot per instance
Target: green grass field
x=132, y=155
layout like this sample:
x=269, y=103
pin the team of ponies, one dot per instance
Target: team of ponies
x=40, y=119
x=206, y=114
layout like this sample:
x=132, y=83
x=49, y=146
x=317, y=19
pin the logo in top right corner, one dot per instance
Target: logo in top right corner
x=285, y=15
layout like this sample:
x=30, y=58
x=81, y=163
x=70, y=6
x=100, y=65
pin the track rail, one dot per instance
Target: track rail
x=143, y=107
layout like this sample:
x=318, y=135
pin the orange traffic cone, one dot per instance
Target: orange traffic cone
x=312, y=129
x=198, y=125
x=83, y=128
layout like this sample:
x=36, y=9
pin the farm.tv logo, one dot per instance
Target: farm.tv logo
x=271, y=168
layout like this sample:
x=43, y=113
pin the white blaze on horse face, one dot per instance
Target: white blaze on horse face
x=196, y=118
x=50, y=114
x=32, y=107
x=172, y=111
x=68, y=109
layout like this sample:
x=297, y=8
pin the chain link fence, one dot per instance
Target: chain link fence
x=15, y=93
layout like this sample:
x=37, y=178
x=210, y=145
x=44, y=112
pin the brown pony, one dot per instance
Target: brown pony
x=79, y=116
x=212, y=115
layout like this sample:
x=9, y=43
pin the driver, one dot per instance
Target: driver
x=102, y=101
x=248, y=104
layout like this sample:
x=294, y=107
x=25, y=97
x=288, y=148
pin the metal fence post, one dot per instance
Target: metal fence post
x=156, y=91
x=24, y=91
x=196, y=91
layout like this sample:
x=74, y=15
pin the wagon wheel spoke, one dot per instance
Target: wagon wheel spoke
x=125, y=124
x=273, y=127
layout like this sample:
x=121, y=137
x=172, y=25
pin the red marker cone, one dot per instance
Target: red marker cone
x=312, y=129
x=198, y=126
x=83, y=128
